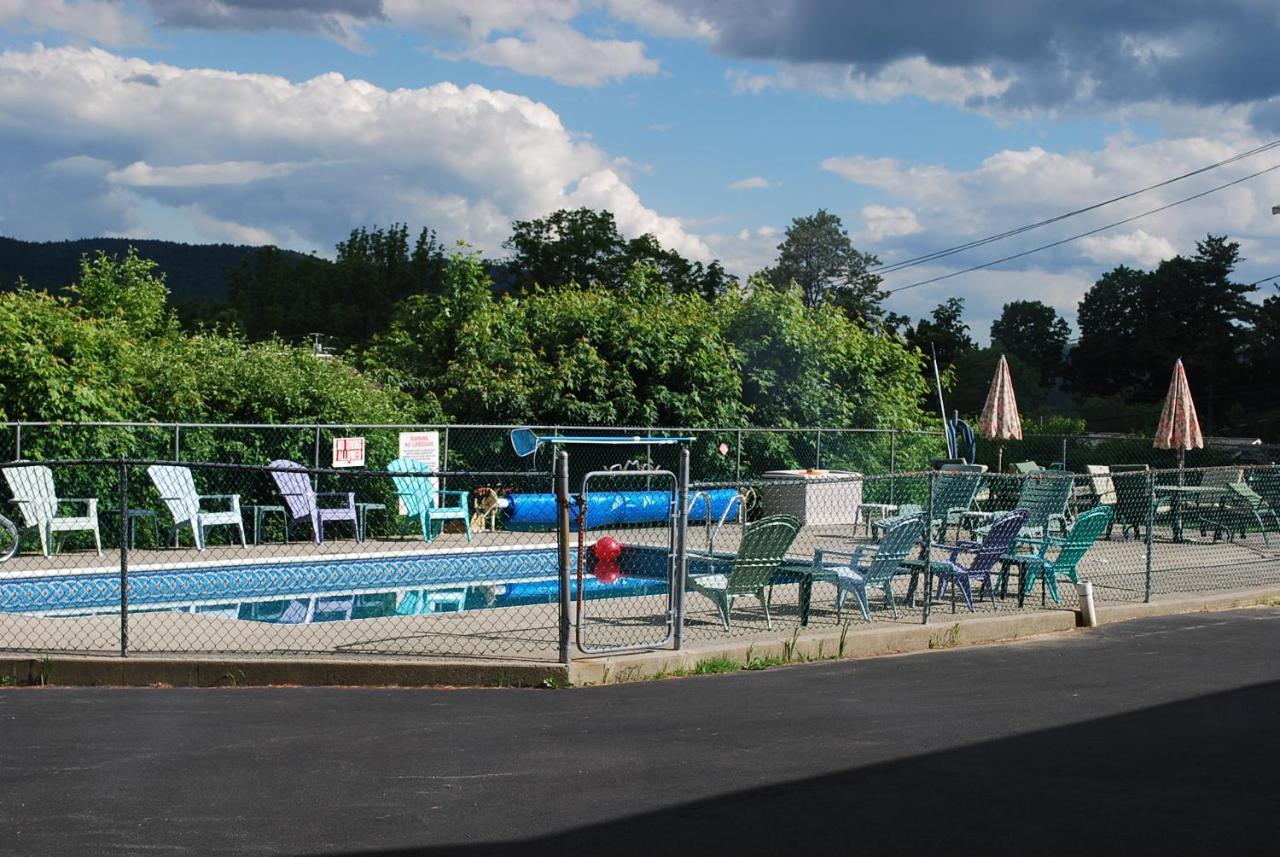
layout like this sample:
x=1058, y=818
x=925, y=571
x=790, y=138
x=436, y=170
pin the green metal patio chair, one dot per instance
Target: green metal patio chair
x=953, y=493
x=1045, y=495
x=725, y=579
x=1240, y=508
x=1068, y=551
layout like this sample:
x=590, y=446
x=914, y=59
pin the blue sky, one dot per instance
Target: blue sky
x=710, y=123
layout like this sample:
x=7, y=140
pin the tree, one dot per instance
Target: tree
x=944, y=334
x=127, y=289
x=818, y=256
x=973, y=372
x=1034, y=332
x=1135, y=324
x=583, y=247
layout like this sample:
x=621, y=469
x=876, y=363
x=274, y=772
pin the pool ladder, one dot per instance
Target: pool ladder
x=738, y=499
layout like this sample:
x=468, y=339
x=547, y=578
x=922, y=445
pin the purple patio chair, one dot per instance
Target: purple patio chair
x=996, y=543
x=301, y=499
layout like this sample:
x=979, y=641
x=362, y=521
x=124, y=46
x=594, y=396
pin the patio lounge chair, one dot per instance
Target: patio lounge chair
x=1068, y=552
x=301, y=499
x=424, y=501
x=870, y=565
x=953, y=493
x=177, y=489
x=33, y=492
x=725, y=579
x=1134, y=497
x=1045, y=496
x=997, y=541
x=1240, y=508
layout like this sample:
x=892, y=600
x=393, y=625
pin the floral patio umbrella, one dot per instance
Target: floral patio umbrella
x=999, y=420
x=1178, y=428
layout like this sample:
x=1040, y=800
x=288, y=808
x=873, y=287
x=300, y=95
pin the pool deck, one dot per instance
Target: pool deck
x=528, y=634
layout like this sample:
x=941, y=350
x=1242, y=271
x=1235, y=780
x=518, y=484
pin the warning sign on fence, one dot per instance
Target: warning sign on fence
x=348, y=452
x=422, y=446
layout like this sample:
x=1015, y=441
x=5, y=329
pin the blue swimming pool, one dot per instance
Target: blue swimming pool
x=308, y=591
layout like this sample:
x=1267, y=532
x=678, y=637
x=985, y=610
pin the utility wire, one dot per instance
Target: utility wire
x=950, y=251
x=1068, y=240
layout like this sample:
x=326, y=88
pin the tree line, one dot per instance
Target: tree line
x=578, y=324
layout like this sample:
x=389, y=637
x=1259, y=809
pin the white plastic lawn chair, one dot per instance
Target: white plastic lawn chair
x=177, y=489
x=33, y=491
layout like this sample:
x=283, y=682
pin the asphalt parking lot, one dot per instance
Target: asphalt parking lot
x=1156, y=736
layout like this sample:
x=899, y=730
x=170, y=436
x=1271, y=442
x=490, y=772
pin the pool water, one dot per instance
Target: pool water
x=334, y=590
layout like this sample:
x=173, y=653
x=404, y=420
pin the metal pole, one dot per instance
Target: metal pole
x=177, y=442
x=17, y=443
x=817, y=454
x=681, y=557
x=737, y=467
x=893, y=461
x=315, y=462
x=562, y=510
x=1151, y=519
x=1064, y=453
x=927, y=577
x=124, y=560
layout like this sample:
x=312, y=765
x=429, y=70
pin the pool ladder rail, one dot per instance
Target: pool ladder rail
x=739, y=499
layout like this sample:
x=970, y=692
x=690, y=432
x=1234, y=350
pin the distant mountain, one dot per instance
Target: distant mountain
x=193, y=272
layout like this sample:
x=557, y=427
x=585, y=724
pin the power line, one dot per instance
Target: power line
x=950, y=251
x=1068, y=240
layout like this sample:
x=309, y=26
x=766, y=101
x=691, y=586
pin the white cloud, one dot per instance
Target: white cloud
x=915, y=76
x=142, y=174
x=752, y=183
x=661, y=19
x=103, y=21
x=1137, y=248
x=94, y=151
x=924, y=208
x=881, y=222
x=561, y=53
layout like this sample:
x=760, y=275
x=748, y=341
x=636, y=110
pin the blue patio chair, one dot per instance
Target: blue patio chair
x=997, y=541
x=870, y=565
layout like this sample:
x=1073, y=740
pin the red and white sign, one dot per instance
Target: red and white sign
x=348, y=452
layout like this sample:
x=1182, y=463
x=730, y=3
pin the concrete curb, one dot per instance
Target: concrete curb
x=860, y=641
x=1199, y=602
x=827, y=644
x=73, y=670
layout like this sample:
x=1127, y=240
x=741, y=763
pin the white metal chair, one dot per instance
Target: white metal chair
x=177, y=489
x=33, y=491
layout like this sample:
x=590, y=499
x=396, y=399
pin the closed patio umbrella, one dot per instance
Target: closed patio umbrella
x=999, y=420
x=1178, y=428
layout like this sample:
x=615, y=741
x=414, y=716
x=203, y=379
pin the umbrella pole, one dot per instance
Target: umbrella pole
x=1000, y=459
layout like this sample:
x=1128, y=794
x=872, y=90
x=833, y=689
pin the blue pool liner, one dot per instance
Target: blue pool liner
x=611, y=508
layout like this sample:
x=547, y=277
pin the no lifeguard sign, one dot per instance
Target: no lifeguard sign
x=348, y=452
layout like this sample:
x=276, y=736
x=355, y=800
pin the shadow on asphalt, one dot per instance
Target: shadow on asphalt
x=1195, y=777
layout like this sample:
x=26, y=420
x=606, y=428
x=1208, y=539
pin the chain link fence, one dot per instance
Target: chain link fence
x=483, y=561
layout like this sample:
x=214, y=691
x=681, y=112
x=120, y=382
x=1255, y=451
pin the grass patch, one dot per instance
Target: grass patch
x=764, y=663
x=947, y=639
x=711, y=666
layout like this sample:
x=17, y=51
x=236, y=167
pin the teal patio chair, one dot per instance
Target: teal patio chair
x=1240, y=508
x=1045, y=495
x=1067, y=553
x=725, y=579
x=424, y=501
x=870, y=565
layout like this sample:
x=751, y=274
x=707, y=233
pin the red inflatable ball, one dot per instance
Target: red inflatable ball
x=608, y=549
x=607, y=571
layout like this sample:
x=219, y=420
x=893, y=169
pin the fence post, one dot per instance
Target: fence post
x=737, y=467
x=562, y=539
x=893, y=460
x=927, y=576
x=1151, y=520
x=1064, y=453
x=681, y=558
x=124, y=559
x=817, y=454
x=177, y=442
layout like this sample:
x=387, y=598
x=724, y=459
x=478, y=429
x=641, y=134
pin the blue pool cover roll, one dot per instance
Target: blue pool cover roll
x=610, y=508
